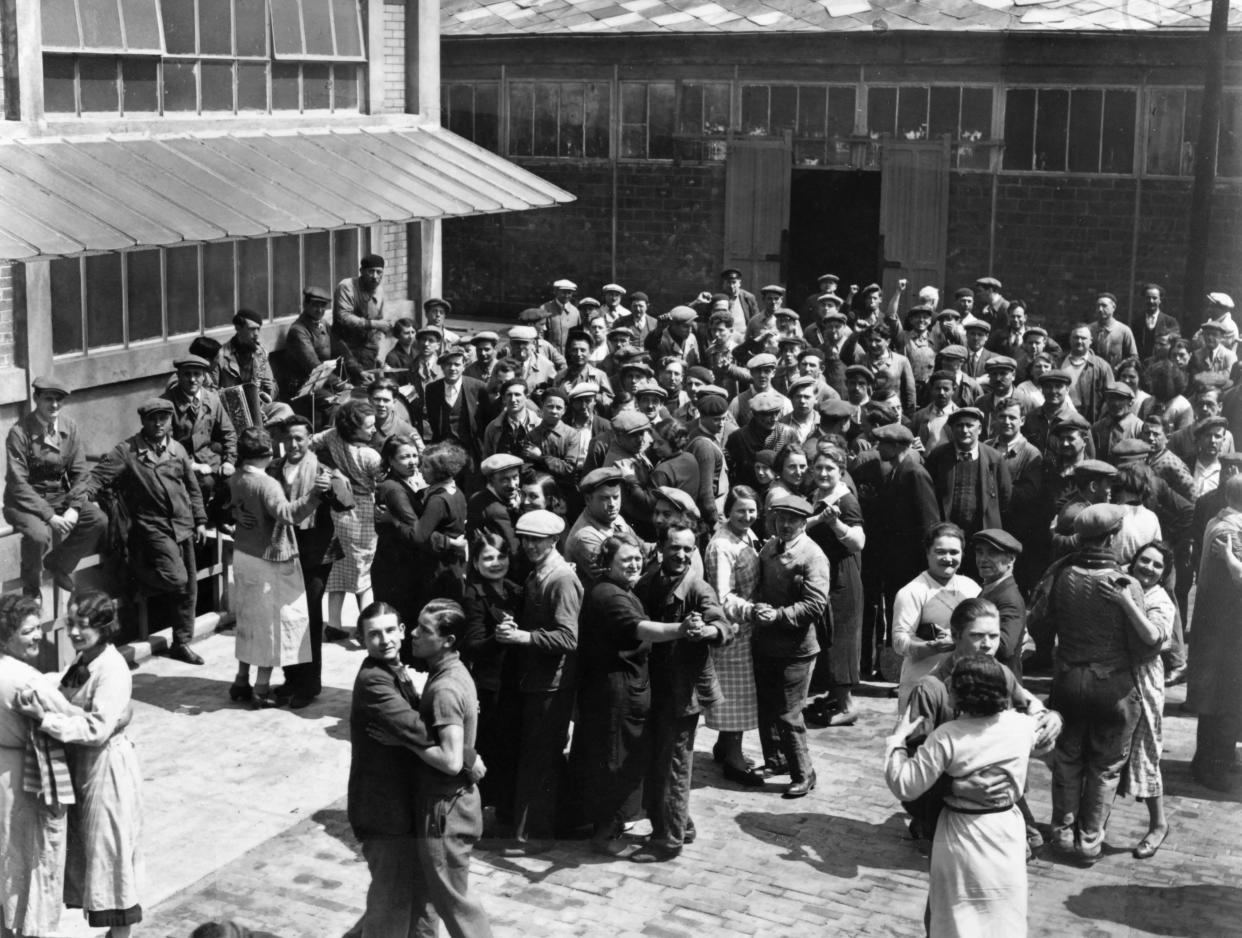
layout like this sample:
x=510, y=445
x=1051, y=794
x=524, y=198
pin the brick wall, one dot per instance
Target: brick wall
x=970, y=218
x=394, y=57
x=394, y=247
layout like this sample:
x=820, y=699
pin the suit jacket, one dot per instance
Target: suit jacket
x=1005, y=594
x=901, y=502
x=980, y=367
x=996, y=487
x=438, y=420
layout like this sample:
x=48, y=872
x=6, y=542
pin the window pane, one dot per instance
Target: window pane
x=661, y=115
x=251, y=86
x=912, y=113
x=633, y=102
x=570, y=120
x=460, y=111
x=1229, y=148
x=104, y=313
x=316, y=21
x=287, y=276
x=215, y=27
x=716, y=116
x=841, y=106
x=1051, y=122
x=1164, y=131
x=345, y=254
x=881, y=111
x=142, y=29
x=286, y=27
x=98, y=78
x=178, y=18
x=180, y=88
x=101, y=24
x=60, y=24
x=59, y=93
x=316, y=87
x=520, y=118
x=1020, y=128
x=597, y=113
x=783, y=109
x=317, y=251
x=943, y=112
x=808, y=152
x=545, y=120
x=976, y=114
x=812, y=108
x=633, y=141
x=286, y=93
x=690, y=116
x=66, y=277
x=219, y=275
x=755, y=110
x=487, y=117
x=1084, y=133
x=217, y=85
x=139, y=85
x=1117, y=150
x=181, y=287
x=252, y=277
x=345, y=19
x=251, y=27
x=345, y=87
x=145, y=294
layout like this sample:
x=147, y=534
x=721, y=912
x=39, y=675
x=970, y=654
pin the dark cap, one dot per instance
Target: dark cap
x=860, y=371
x=999, y=363
x=822, y=277
x=942, y=376
x=962, y=292
x=793, y=504
x=836, y=409
x=1130, y=451
x=1208, y=424
x=699, y=373
x=1094, y=469
x=1036, y=330
x=872, y=288
x=962, y=413
x=998, y=538
x=1107, y=296
x=372, y=262
x=316, y=294
x=155, y=405
x=991, y=282
x=630, y=421
x=955, y=353
x=765, y=457
x=45, y=384
x=607, y=475
x=430, y=330
x=1099, y=520
x=1056, y=376
x=453, y=351
x=1070, y=422
x=730, y=272
x=247, y=315
x=713, y=406
x=639, y=295
x=191, y=361
x=1120, y=389
x=204, y=346
x=893, y=433
x=534, y=314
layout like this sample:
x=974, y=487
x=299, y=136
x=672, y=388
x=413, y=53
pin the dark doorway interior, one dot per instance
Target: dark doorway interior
x=834, y=227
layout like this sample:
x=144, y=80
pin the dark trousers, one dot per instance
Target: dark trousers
x=496, y=787
x=397, y=904
x=37, y=551
x=781, y=686
x=167, y=574
x=611, y=753
x=449, y=827
x=1100, y=714
x=538, y=722
x=1216, y=739
x=667, y=790
x=307, y=678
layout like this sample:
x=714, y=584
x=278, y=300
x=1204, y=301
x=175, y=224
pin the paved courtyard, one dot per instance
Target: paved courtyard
x=245, y=818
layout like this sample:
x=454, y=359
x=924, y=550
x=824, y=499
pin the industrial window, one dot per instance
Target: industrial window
x=212, y=56
x=566, y=119
x=648, y=119
x=703, y=120
x=117, y=300
x=472, y=110
x=1078, y=130
x=820, y=117
x=1173, y=132
x=130, y=27
x=930, y=112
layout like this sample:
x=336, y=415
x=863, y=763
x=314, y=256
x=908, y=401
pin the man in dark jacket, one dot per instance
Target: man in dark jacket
x=204, y=428
x=450, y=408
x=996, y=552
x=308, y=344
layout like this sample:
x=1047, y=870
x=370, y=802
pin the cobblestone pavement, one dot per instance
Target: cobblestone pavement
x=245, y=818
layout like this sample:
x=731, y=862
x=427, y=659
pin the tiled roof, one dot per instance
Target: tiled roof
x=614, y=17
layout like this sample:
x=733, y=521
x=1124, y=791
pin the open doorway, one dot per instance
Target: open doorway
x=834, y=227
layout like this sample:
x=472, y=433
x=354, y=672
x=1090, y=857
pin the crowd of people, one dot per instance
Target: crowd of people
x=607, y=527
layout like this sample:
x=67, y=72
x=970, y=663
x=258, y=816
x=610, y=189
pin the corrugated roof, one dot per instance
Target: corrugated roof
x=66, y=196
x=533, y=17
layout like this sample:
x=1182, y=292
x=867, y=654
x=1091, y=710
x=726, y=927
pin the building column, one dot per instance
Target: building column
x=431, y=260
x=29, y=24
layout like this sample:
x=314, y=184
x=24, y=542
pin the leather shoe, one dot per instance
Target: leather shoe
x=752, y=778
x=655, y=853
x=843, y=718
x=618, y=848
x=690, y=835
x=62, y=579
x=718, y=752
x=800, y=788
x=1175, y=677
x=185, y=653
x=776, y=767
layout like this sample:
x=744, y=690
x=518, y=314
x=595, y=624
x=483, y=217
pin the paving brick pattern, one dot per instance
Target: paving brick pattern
x=246, y=819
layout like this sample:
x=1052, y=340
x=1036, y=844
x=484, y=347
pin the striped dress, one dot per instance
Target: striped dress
x=1141, y=776
x=732, y=570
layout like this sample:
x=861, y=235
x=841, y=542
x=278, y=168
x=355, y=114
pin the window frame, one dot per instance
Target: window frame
x=1138, y=140
x=535, y=83
x=1146, y=127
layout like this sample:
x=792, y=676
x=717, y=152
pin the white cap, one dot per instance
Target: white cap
x=523, y=334
x=613, y=288
x=1223, y=300
x=564, y=285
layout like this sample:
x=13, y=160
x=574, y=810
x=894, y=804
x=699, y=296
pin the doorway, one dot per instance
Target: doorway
x=834, y=227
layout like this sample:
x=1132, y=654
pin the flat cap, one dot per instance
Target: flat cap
x=953, y=353
x=836, y=409
x=893, y=433
x=639, y=295
x=440, y=302
x=793, y=504
x=1220, y=300
x=1036, y=330
x=988, y=282
x=1056, y=376
x=1073, y=421
x=1213, y=325
x=429, y=330
x=1120, y=389
x=1000, y=363
x=682, y=314
x=612, y=288
x=155, y=405
x=942, y=375
x=588, y=302
x=1209, y=381
x=1094, y=469
x=773, y=288
x=630, y=421
x=540, y=523
x=485, y=336
x=523, y=334
x=762, y=360
x=564, y=284
x=584, y=389
x=802, y=381
x=831, y=298
x=638, y=365
x=785, y=313
x=534, y=314
x=713, y=405
x=650, y=387
x=1099, y=520
x=872, y=288
x=962, y=292
x=607, y=475
x=730, y=272
x=835, y=315
x=498, y=462
x=1208, y=424
x=1130, y=450
x=794, y=340
x=317, y=295
x=919, y=311
x=678, y=499
x=860, y=371
x=998, y=538
x=711, y=390
x=191, y=361
x=768, y=401
x=453, y=351
x=965, y=413
x=949, y=313
x=620, y=332
x=822, y=277
x=973, y=322
x=46, y=383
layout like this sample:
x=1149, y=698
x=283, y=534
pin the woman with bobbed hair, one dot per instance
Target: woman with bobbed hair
x=103, y=873
x=978, y=861
x=1167, y=382
x=399, y=502
x=441, y=531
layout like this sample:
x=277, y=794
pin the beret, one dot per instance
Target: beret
x=822, y=277
x=1036, y=330
x=830, y=298
x=962, y=292
x=998, y=362
x=802, y=381
x=942, y=375
x=682, y=314
x=498, y=462
x=785, y=313
x=1095, y=469
x=730, y=272
x=191, y=361
x=155, y=405
x=988, y=282
x=564, y=284
x=680, y=499
x=1207, y=424
x=963, y=413
x=430, y=330
x=438, y=301
x=1099, y=520
x=523, y=334
x=699, y=373
x=48, y=383
x=453, y=351
x=585, y=389
x=1070, y=422
x=893, y=433
x=1056, y=376
x=606, y=475
x=765, y=457
x=318, y=294
x=249, y=315
x=639, y=295
x=1223, y=300
x=588, y=302
x=773, y=288
x=485, y=336
x=1120, y=389
x=762, y=360
x=793, y=504
x=612, y=288
x=1107, y=296
x=1130, y=450
x=836, y=409
x=953, y=353
x=713, y=406
x=860, y=371
x=372, y=262
x=973, y=322
x=767, y=402
x=630, y=421
x=540, y=523
x=1000, y=539
x=204, y=346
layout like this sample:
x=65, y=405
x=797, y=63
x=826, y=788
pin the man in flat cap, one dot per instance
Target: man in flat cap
x=450, y=408
x=1215, y=356
x=989, y=304
x=579, y=370
x=1009, y=341
x=1037, y=428
x=358, y=315
x=741, y=447
x=811, y=309
x=1184, y=443
x=156, y=477
x=677, y=337
x=952, y=358
x=977, y=354
x=46, y=477
x=1111, y=340
x=600, y=519
x=1001, y=371
x=1093, y=485
x=762, y=368
x=484, y=344
x=613, y=309
x=742, y=305
x=1118, y=422
x=497, y=505
x=996, y=554
x=243, y=361
x=639, y=321
x=203, y=427
x=308, y=344
x=533, y=368
x=562, y=314
x=435, y=311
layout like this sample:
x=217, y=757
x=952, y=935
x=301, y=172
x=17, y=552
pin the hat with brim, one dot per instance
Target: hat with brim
x=612, y=288
x=775, y=288
x=539, y=523
x=485, y=336
x=802, y=381
x=438, y=301
x=453, y=351
x=1056, y=376
x=607, y=475
x=192, y=361
x=534, y=314
x=564, y=285
x=499, y=462
x=316, y=295
x=791, y=504
x=1120, y=389
x=1130, y=450
x=586, y=389
x=522, y=334
x=830, y=298
x=835, y=409
x=784, y=313
x=762, y=360
x=965, y=413
x=953, y=353
x=651, y=388
x=893, y=433
x=1208, y=424
x=682, y=314
x=1099, y=520
x=835, y=315
x=434, y=331
x=767, y=402
x=1000, y=363
x=630, y=421
x=1035, y=331
x=1070, y=422
x=990, y=282
x=998, y=538
x=46, y=384
x=153, y=406
x=1094, y=469
x=678, y=499
x=972, y=323
x=860, y=371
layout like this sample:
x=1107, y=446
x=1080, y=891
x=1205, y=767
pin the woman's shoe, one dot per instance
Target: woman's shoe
x=241, y=692
x=1148, y=846
x=843, y=718
x=718, y=751
x=751, y=778
x=264, y=700
x=615, y=847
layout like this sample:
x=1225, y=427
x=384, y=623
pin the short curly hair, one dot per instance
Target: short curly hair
x=443, y=461
x=99, y=611
x=14, y=610
x=979, y=685
x=611, y=546
x=351, y=419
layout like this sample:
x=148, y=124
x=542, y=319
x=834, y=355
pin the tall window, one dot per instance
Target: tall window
x=1173, y=132
x=120, y=299
x=820, y=117
x=559, y=119
x=203, y=56
x=1078, y=130
x=648, y=119
x=472, y=110
x=929, y=112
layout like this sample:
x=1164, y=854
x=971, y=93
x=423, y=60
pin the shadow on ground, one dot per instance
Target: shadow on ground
x=1197, y=909
x=851, y=844
x=1179, y=783
x=192, y=696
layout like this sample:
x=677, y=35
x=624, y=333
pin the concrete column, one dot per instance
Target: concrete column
x=37, y=313
x=29, y=22
x=432, y=252
x=428, y=64
x=375, y=56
